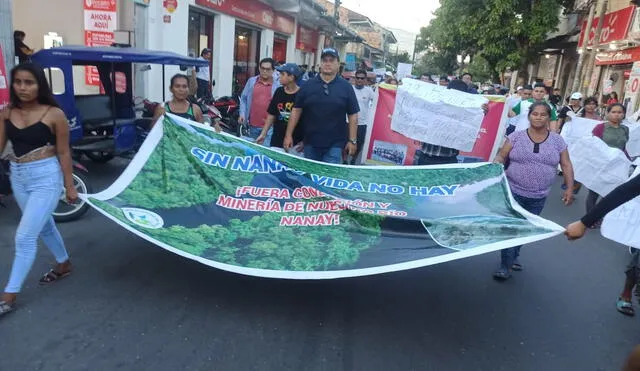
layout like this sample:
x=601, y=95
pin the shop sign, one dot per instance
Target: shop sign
x=615, y=27
x=252, y=11
x=4, y=84
x=100, y=21
x=170, y=5
x=307, y=39
x=625, y=56
x=101, y=5
x=632, y=89
x=634, y=31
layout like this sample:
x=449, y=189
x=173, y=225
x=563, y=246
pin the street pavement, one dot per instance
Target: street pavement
x=130, y=305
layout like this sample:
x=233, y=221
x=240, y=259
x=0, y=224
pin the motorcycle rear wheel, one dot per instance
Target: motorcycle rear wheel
x=66, y=212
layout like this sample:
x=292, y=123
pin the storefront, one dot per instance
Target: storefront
x=200, y=32
x=246, y=55
x=251, y=29
x=612, y=72
x=280, y=43
x=612, y=67
x=306, y=45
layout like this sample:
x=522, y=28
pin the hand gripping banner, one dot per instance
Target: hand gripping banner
x=241, y=207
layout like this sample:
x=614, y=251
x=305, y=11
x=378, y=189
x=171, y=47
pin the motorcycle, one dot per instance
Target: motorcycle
x=222, y=112
x=65, y=211
x=229, y=108
x=211, y=114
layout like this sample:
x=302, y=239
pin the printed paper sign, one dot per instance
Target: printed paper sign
x=633, y=145
x=621, y=225
x=598, y=166
x=433, y=114
x=578, y=128
x=522, y=120
x=403, y=70
x=100, y=20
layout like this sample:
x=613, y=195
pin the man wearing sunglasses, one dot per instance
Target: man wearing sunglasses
x=365, y=96
x=323, y=103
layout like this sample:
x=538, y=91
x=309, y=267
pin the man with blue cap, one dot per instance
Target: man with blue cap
x=324, y=104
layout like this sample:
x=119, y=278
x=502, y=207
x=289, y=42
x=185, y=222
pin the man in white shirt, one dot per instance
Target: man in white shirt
x=365, y=96
x=203, y=75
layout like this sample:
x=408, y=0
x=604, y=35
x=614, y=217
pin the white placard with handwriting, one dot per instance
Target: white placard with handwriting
x=433, y=114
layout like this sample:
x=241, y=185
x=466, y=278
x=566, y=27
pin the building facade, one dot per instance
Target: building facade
x=238, y=32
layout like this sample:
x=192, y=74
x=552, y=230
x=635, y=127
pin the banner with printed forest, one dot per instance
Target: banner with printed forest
x=241, y=207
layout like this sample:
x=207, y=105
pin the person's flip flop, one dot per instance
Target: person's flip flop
x=625, y=307
x=6, y=308
x=502, y=274
x=53, y=276
x=516, y=267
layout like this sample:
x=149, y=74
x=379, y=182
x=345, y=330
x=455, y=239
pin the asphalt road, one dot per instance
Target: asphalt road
x=132, y=306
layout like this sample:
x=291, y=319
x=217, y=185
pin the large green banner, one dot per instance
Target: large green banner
x=241, y=207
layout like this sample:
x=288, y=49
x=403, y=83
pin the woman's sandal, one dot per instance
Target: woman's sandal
x=53, y=276
x=502, y=274
x=625, y=307
x=6, y=308
x=516, y=266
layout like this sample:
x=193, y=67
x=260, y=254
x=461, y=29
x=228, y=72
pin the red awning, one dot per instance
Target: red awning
x=625, y=56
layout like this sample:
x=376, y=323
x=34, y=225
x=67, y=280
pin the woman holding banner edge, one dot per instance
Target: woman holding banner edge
x=533, y=156
x=615, y=135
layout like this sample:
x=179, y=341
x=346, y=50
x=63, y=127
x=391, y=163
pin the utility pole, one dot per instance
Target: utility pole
x=336, y=8
x=6, y=33
x=596, y=42
x=336, y=16
x=582, y=54
x=414, y=49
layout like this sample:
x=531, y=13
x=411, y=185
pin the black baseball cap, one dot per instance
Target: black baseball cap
x=330, y=51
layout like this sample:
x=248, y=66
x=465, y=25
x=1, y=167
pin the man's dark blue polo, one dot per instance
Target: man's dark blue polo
x=325, y=107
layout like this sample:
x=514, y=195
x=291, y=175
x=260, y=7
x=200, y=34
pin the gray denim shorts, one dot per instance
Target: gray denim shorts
x=633, y=262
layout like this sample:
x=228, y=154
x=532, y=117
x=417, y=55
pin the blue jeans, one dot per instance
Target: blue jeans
x=254, y=132
x=331, y=155
x=37, y=187
x=532, y=205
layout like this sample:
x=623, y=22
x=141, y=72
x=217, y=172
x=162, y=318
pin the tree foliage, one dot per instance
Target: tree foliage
x=394, y=59
x=436, y=63
x=506, y=33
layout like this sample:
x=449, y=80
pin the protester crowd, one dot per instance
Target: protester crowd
x=323, y=117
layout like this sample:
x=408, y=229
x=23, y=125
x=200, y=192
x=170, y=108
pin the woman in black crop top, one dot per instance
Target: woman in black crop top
x=179, y=105
x=41, y=169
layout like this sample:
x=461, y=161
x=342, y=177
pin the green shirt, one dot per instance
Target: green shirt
x=527, y=103
x=615, y=137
